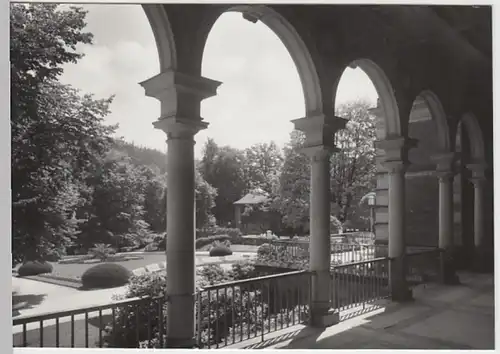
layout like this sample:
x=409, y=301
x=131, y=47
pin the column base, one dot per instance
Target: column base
x=324, y=319
x=450, y=278
x=448, y=268
x=483, y=262
x=402, y=294
x=181, y=343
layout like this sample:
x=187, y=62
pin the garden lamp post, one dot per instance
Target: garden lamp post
x=371, y=204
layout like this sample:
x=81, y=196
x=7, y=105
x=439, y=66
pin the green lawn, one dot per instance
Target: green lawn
x=75, y=271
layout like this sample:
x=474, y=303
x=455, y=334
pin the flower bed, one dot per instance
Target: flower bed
x=91, y=260
x=74, y=271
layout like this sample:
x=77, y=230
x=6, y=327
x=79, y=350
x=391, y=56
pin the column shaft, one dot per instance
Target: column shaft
x=320, y=133
x=320, y=232
x=446, y=236
x=446, y=211
x=479, y=235
x=396, y=213
x=180, y=242
x=397, y=226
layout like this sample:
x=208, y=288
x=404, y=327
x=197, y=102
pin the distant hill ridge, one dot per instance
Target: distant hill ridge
x=140, y=155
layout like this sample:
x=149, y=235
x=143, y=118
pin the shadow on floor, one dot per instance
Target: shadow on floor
x=25, y=301
x=293, y=336
x=439, y=318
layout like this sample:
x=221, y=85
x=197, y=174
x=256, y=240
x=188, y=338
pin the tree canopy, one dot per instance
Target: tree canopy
x=73, y=183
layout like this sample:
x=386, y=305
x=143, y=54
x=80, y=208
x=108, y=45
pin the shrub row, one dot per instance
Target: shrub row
x=257, y=240
x=203, y=241
x=123, y=333
x=234, y=233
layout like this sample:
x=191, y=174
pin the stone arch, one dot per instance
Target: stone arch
x=475, y=136
x=296, y=47
x=439, y=116
x=385, y=92
x=165, y=43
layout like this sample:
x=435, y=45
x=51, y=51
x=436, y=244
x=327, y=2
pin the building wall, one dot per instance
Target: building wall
x=422, y=188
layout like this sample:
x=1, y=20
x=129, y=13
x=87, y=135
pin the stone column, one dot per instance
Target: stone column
x=320, y=132
x=396, y=150
x=444, y=172
x=180, y=96
x=481, y=252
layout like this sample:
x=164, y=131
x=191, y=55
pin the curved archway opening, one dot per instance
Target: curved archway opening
x=380, y=122
x=428, y=125
x=475, y=138
x=354, y=167
x=458, y=188
x=261, y=90
x=250, y=118
x=469, y=146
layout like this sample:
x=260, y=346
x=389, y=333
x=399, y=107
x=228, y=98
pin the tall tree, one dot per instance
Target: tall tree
x=352, y=169
x=116, y=210
x=263, y=163
x=294, y=186
x=205, y=202
x=56, y=133
x=222, y=167
x=155, y=199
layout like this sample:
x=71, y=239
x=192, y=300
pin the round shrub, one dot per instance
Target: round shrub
x=220, y=251
x=151, y=247
x=264, y=249
x=106, y=275
x=52, y=257
x=34, y=268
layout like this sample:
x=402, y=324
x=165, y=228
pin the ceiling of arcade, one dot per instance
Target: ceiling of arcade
x=447, y=49
x=419, y=41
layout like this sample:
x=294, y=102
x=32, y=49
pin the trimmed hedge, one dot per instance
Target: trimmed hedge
x=106, y=275
x=264, y=249
x=152, y=247
x=132, y=322
x=220, y=251
x=257, y=240
x=34, y=268
x=199, y=243
x=233, y=233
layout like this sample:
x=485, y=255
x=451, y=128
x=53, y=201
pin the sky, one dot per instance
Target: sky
x=260, y=92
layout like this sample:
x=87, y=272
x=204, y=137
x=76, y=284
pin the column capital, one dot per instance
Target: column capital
x=180, y=128
x=395, y=166
x=160, y=85
x=477, y=181
x=444, y=165
x=396, y=148
x=320, y=130
x=318, y=153
x=478, y=169
x=445, y=176
x=444, y=161
x=180, y=96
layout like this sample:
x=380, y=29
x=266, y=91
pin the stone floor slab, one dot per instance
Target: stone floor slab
x=392, y=316
x=471, y=329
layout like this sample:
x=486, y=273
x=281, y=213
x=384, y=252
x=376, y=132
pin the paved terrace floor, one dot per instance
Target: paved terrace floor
x=441, y=317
